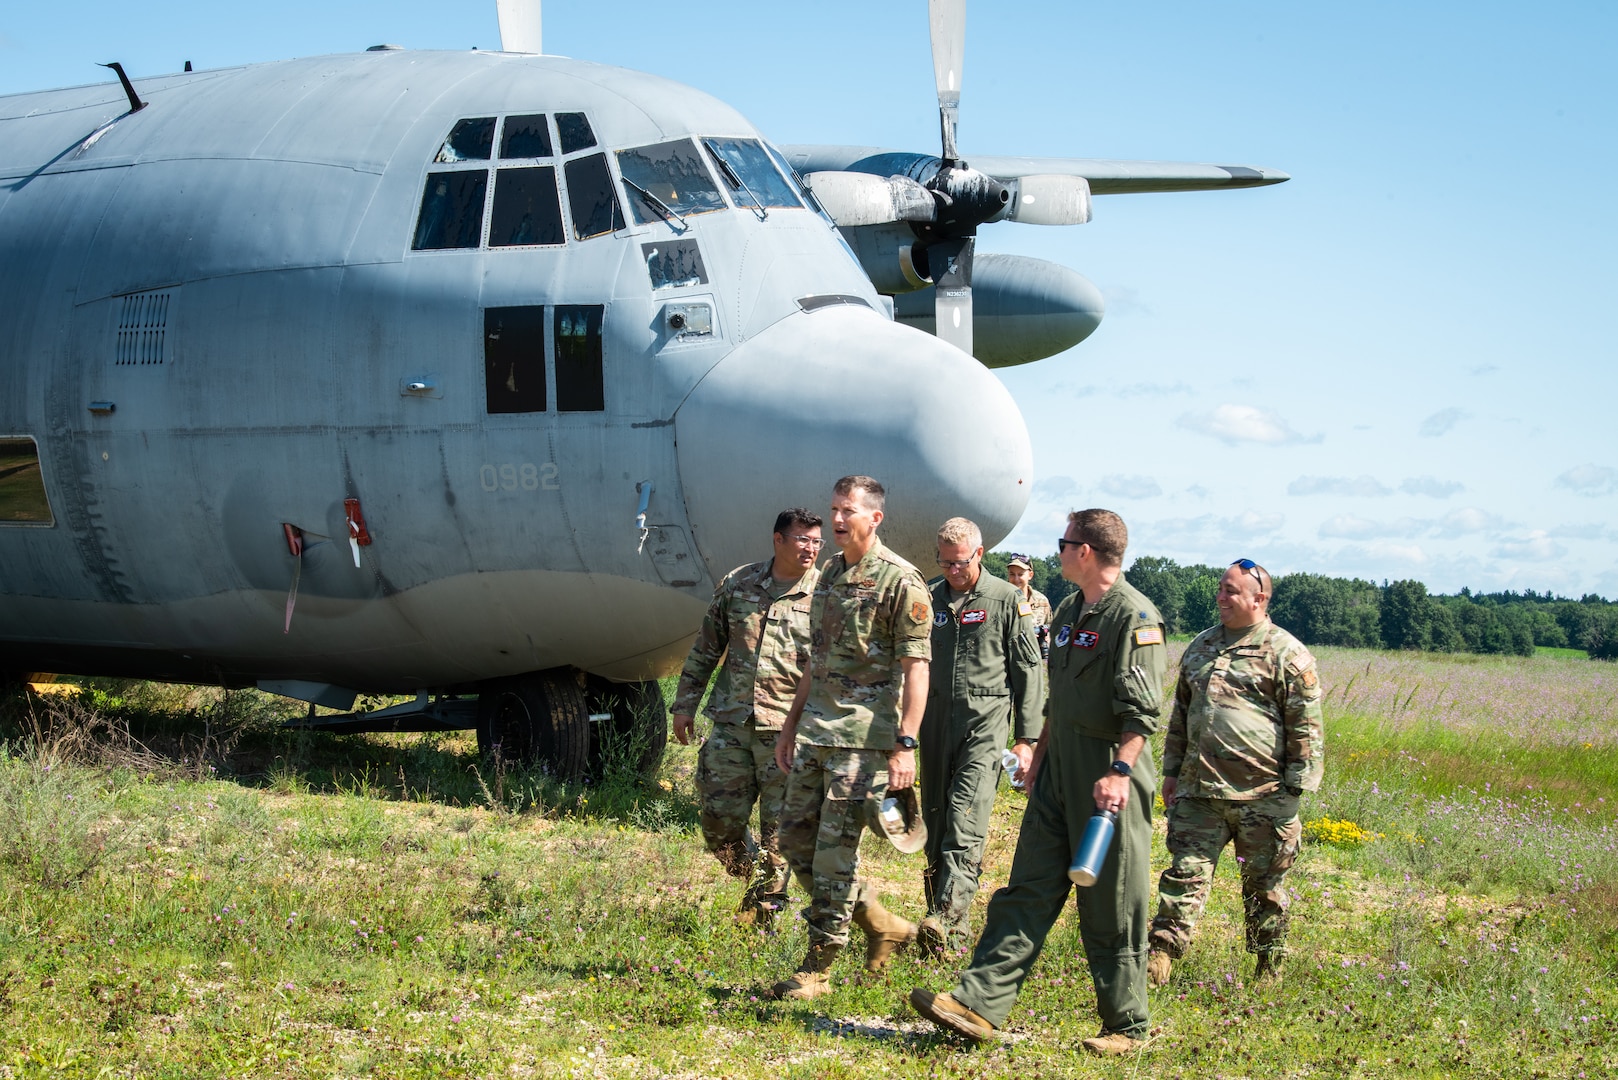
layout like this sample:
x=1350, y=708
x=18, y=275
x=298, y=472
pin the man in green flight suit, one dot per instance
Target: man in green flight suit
x=1106, y=689
x=851, y=732
x=1244, y=742
x=758, y=623
x=985, y=678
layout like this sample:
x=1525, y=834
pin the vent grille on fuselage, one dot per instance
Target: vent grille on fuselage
x=143, y=329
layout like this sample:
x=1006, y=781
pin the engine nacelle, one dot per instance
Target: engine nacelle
x=1022, y=309
x=890, y=255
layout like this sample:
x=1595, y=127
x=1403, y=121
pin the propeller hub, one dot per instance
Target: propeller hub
x=966, y=199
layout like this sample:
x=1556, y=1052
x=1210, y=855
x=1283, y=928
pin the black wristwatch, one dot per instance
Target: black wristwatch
x=907, y=742
x=1121, y=768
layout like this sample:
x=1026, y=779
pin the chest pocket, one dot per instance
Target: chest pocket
x=852, y=618
x=1078, y=662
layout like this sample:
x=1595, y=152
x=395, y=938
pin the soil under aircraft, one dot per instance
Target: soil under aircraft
x=467, y=375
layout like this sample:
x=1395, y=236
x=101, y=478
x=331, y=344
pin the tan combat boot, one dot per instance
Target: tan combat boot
x=811, y=979
x=946, y=1012
x=1112, y=1044
x=931, y=937
x=884, y=932
x=1158, y=966
x=1269, y=967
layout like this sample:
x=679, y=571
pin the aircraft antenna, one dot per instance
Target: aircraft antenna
x=135, y=103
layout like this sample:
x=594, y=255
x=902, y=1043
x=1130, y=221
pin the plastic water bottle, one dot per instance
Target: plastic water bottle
x=1013, y=767
x=1086, y=865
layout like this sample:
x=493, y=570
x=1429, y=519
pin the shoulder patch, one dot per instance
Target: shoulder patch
x=1149, y=636
x=1025, y=609
x=920, y=612
x=1310, y=679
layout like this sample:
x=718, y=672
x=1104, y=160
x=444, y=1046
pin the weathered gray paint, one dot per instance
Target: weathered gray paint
x=275, y=203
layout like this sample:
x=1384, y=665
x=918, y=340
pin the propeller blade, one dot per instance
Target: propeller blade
x=947, y=21
x=1049, y=199
x=863, y=199
x=520, y=25
x=951, y=264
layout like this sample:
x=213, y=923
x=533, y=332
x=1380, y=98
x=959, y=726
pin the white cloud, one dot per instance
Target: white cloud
x=1431, y=486
x=1588, y=531
x=1349, y=527
x=1469, y=520
x=1359, y=486
x=1537, y=546
x=1055, y=487
x=1590, y=479
x=1130, y=487
x=1234, y=424
x=1440, y=422
x=1205, y=537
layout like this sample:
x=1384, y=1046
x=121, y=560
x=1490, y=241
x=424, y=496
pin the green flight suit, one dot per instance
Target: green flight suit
x=1106, y=681
x=985, y=674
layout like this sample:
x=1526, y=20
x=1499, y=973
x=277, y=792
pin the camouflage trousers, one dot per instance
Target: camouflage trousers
x=822, y=822
x=736, y=770
x=1266, y=832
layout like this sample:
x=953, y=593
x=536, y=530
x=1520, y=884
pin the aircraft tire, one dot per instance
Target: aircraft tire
x=639, y=725
x=536, y=719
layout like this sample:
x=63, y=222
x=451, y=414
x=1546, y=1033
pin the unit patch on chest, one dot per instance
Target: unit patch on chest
x=1064, y=635
x=974, y=617
x=940, y=618
x=1086, y=639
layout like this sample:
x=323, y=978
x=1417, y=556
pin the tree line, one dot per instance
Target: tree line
x=1324, y=610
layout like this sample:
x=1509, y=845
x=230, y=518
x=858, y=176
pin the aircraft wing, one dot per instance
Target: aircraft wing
x=1106, y=176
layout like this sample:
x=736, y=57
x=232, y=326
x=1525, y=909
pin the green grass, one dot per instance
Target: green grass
x=1561, y=653
x=381, y=906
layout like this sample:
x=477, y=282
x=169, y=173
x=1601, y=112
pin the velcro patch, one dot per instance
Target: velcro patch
x=973, y=617
x=1310, y=680
x=920, y=612
x=940, y=618
x=1153, y=636
x=1086, y=639
x=1025, y=609
x=1064, y=634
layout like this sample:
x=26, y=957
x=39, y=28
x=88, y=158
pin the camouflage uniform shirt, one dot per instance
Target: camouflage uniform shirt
x=1038, y=605
x=1246, y=718
x=764, y=640
x=865, y=619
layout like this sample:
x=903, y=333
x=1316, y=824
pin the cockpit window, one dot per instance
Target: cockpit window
x=590, y=194
x=470, y=140
x=451, y=210
x=667, y=179
x=525, y=137
x=574, y=129
x=526, y=209
x=752, y=178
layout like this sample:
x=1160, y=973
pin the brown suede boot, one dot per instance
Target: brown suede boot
x=811, y=979
x=1112, y=1044
x=884, y=932
x=931, y=937
x=1158, y=966
x=947, y=1013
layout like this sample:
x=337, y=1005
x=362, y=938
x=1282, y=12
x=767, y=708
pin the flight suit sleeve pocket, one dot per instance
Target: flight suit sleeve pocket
x=1139, y=687
x=1027, y=649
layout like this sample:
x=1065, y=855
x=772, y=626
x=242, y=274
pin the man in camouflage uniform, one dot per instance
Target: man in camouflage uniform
x=1106, y=694
x=851, y=733
x=759, y=624
x=1020, y=572
x=985, y=678
x=1244, y=743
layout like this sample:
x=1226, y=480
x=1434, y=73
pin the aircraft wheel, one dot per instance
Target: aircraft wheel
x=536, y=719
x=638, y=728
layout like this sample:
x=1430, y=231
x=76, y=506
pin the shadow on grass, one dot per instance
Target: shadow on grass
x=149, y=731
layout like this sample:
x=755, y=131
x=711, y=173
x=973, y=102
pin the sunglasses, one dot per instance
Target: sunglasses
x=1063, y=543
x=1253, y=568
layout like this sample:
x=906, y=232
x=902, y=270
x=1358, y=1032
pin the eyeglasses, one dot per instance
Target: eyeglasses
x=1063, y=543
x=807, y=541
x=956, y=564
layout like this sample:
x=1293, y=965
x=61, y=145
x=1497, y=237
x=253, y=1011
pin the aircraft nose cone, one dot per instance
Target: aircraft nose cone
x=838, y=391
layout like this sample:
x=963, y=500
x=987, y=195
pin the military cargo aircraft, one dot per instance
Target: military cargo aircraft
x=466, y=375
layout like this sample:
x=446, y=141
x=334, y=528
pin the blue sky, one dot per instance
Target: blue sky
x=1393, y=366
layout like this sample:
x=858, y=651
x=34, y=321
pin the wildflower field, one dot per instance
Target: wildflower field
x=188, y=891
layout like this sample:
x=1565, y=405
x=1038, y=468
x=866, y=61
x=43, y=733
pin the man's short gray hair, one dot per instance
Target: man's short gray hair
x=959, y=530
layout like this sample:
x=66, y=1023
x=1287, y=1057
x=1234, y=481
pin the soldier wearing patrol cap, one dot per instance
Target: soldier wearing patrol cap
x=758, y=623
x=1244, y=742
x=985, y=678
x=1020, y=572
x=1106, y=687
x=851, y=733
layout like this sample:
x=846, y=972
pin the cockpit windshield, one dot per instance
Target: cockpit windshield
x=667, y=178
x=753, y=179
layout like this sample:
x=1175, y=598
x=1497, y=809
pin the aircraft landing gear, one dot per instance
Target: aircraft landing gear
x=635, y=728
x=538, y=718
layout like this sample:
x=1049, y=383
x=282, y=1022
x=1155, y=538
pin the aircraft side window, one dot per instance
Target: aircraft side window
x=750, y=175
x=469, y=140
x=526, y=208
x=514, y=359
x=574, y=130
x=525, y=137
x=22, y=486
x=667, y=178
x=590, y=195
x=451, y=210
x=579, y=380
